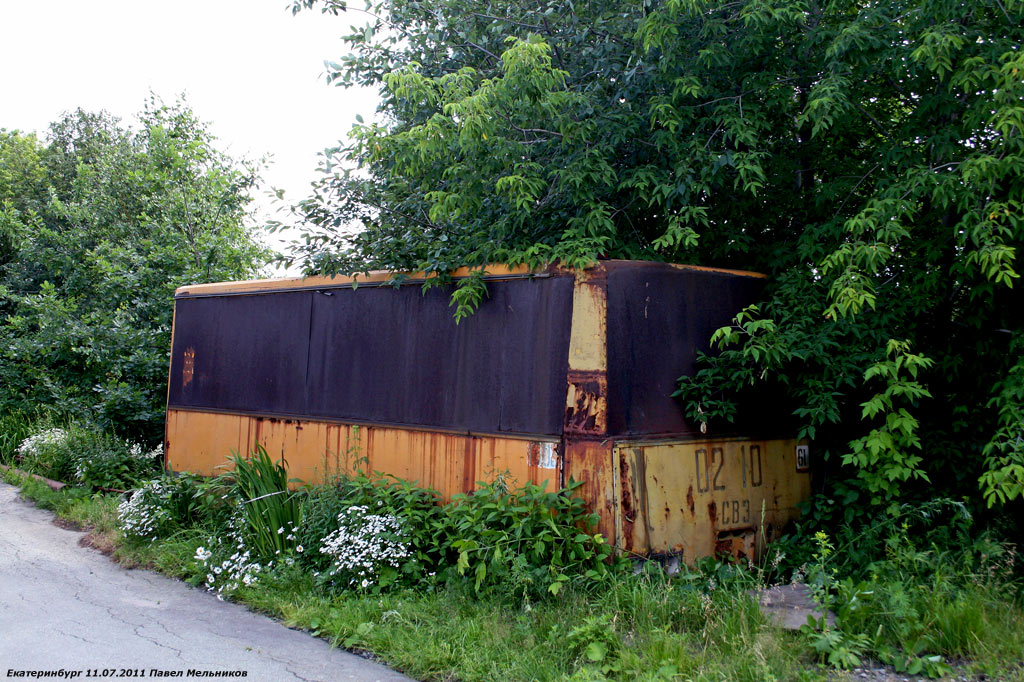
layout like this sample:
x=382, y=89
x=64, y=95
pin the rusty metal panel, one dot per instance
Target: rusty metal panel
x=699, y=497
x=398, y=356
x=381, y=355
x=659, y=317
x=586, y=402
x=374, y=277
x=201, y=442
x=576, y=358
x=590, y=462
x=315, y=450
x=302, y=444
x=245, y=353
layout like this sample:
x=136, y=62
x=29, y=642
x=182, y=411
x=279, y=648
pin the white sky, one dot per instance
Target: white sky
x=248, y=67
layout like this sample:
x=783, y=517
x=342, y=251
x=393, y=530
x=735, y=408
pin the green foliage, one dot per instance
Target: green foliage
x=98, y=225
x=163, y=506
x=867, y=156
x=1003, y=479
x=699, y=625
x=915, y=590
x=418, y=509
x=15, y=427
x=644, y=627
x=884, y=456
x=270, y=511
x=49, y=453
x=526, y=541
x=85, y=455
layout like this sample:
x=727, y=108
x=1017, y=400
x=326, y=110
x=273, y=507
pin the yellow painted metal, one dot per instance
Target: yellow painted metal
x=587, y=347
x=700, y=498
x=590, y=463
x=201, y=442
x=586, y=400
x=450, y=463
x=374, y=276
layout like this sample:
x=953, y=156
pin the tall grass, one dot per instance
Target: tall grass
x=271, y=512
x=18, y=425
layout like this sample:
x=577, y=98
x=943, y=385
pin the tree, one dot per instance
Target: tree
x=100, y=224
x=868, y=156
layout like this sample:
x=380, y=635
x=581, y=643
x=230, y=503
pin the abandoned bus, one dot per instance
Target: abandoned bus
x=560, y=374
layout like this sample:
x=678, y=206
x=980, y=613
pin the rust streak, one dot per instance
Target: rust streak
x=188, y=366
x=628, y=511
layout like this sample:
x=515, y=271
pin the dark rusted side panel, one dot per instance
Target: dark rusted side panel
x=245, y=353
x=380, y=354
x=659, y=318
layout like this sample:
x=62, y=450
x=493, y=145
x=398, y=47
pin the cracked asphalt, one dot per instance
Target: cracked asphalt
x=66, y=607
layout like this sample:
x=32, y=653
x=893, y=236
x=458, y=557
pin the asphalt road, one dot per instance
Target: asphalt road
x=65, y=609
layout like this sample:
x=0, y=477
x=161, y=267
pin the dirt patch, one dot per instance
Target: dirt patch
x=101, y=542
x=66, y=524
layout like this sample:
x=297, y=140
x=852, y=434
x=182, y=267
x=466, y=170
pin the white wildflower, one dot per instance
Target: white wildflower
x=365, y=543
x=147, y=509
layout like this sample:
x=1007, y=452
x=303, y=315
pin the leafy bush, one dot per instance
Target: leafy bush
x=860, y=541
x=367, y=549
x=162, y=505
x=85, y=313
x=104, y=461
x=913, y=596
x=526, y=541
x=47, y=452
x=85, y=455
x=144, y=514
x=918, y=607
x=417, y=509
x=372, y=532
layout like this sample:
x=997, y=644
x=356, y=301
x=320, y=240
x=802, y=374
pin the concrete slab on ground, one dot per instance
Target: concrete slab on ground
x=788, y=606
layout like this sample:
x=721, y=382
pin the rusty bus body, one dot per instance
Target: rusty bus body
x=559, y=375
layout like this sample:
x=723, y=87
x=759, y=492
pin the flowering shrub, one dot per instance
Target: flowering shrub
x=367, y=549
x=161, y=505
x=146, y=512
x=84, y=455
x=48, y=452
x=224, y=573
x=417, y=508
x=36, y=444
x=112, y=463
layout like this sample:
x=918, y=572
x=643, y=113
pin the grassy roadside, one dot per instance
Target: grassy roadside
x=645, y=627
x=700, y=625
